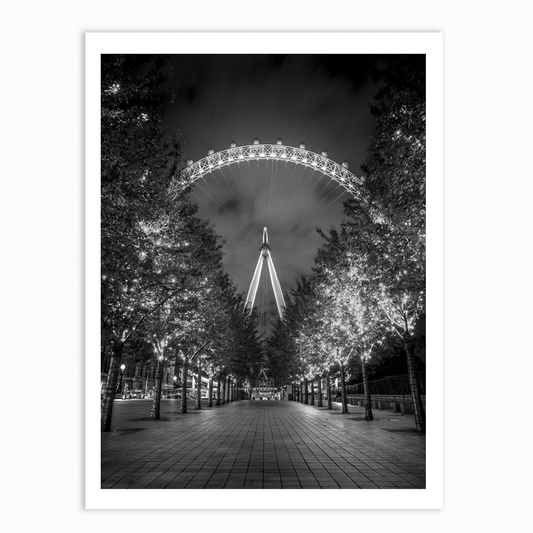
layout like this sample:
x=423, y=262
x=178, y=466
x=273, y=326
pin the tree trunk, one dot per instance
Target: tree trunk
x=218, y=391
x=312, y=393
x=344, y=400
x=106, y=413
x=228, y=388
x=155, y=414
x=306, y=391
x=103, y=357
x=368, y=398
x=420, y=413
x=199, y=386
x=210, y=399
x=328, y=390
x=223, y=399
x=319, y=391
x=183, y=407
x=177, y=368
x=301, y=392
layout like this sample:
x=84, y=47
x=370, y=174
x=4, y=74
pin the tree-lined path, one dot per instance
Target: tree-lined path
x=265, y=445
x=173, y=313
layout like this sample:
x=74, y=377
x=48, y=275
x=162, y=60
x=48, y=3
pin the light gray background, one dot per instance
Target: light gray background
x=488, y=290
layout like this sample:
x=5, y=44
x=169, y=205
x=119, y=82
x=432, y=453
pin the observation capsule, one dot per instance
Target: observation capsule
x=189, y=162
x=232, y=144
x=210, y=151
x=302, y=145
x=256, y=141
x=345, y=163
x=325, y=153
x=279, y=141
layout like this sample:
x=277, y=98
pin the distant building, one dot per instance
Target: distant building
x=265, y=388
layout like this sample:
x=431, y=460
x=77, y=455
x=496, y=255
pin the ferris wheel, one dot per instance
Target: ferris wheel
x=283, y=191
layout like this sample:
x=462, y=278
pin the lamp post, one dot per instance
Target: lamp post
x=122, y=368
x=174, y=385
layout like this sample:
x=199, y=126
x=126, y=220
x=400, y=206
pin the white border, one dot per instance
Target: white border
x=252, y=43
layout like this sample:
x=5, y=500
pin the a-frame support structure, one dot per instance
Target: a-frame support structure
x=265, y=255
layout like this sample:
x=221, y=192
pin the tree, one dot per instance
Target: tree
x=138, y=164
x=395, y=167
x=350, y=302
x=155, y=250
x=162, y=279
x=286, y=348
x=385, y=224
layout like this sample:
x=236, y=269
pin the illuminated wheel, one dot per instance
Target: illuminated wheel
x=288, y=190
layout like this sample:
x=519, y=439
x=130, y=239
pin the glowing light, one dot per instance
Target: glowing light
x=275, y=151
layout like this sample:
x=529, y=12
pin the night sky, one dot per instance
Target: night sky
x=323, y=101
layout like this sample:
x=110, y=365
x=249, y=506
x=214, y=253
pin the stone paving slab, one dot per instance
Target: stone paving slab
x=267, y=445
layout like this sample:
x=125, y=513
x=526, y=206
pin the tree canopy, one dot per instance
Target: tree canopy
x=162, y=279
x=368, y=292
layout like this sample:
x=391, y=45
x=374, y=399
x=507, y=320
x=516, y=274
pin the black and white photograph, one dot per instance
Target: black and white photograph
x=263, y=271
x=266, y=266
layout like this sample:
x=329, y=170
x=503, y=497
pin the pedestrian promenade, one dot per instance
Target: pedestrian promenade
x=260, y=445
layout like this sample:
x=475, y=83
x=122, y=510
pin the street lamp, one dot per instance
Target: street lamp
x=122, y=368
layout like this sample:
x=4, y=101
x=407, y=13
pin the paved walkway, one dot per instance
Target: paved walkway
x=260, y=445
